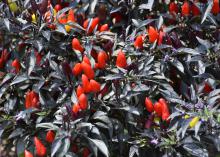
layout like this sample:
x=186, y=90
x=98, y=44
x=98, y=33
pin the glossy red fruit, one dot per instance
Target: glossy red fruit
x=79, y=90
x=71, y=16
x=85, y=24
x=41, y=150
x=83, y=102
x=16, y=64
x=138, y=43
x=94, y=22
x=50, y=136
x=28, y=154
x=207, y=88
x=76, y=108
x=121, y=60
x=185, y=8
x=76, y=45
x=173, y=8
x=165, y=109
x=165, y=116
x=104, y=28
x=195, y=10
x=85, y=84
x=31, y=100
x=62, y=19
x=102, y=57
x=77, y=69
x=95, y=86
x=215, y=7
x=58, y=7
x=149, y=105
x=86, y=59
x=88, y=71
x=164, y=104
x=93, y=25
x=153, y=34
x=86, y=152
x=158, y=108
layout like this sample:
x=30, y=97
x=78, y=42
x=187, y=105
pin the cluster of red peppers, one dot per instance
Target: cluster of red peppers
x=89, y=85
x=188, y=7
x=160, y=108
x=153, y=36
x=4, y=58
x=85, y=69
x=41, y=150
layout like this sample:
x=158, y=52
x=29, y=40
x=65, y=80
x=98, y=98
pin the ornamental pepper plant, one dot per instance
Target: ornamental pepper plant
x=110, y=78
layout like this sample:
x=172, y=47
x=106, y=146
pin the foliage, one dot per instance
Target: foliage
x=75, y=75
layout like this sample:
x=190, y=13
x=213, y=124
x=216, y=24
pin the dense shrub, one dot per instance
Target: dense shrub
x=110, y=78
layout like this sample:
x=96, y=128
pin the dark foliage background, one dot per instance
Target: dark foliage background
x=184, y=70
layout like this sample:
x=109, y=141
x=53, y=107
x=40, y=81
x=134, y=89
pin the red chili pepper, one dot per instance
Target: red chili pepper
x=76, y=108
x=88, y=71
x=138, y=44
x=83, y=102
x=95, y=86
x=31, y=100
x=121, y=60
x=71, y=16
x=102, y=57
x=94, y=23
x=86, y=59
x=16, y=64
x=85, y=84
x=27, y=153
x=173, y=8
x=185, y=8
x=79, y=90
x=104, y=28
x=77, y=69
x=58, y=7
x=50, y=136
x=85, y=24
x=40, y=148
x=153, y=34
x=76, y=45
x=215, y=7
x=158, y=108
x=149, y=105
x=207, y=88
x=165, y=109
x=62, y=18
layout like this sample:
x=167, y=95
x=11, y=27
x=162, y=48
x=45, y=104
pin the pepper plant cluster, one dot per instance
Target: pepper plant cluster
x=110, y=78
